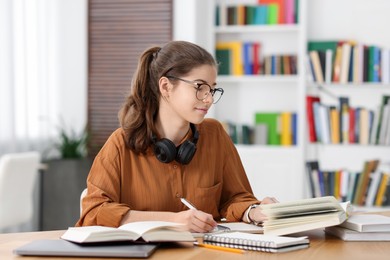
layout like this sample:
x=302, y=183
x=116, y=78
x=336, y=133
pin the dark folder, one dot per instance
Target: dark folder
x=61, y=247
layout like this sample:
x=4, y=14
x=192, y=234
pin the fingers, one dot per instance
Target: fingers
x=269, y=200
x=200, y=221
x=258, y=216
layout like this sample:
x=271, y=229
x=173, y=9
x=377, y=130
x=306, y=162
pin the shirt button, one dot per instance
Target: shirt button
x=175, y=166
x=178, y=195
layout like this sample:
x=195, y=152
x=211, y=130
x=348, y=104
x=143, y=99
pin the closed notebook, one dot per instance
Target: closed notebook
x=257, y=242
x=367, y=223
x=352, y=235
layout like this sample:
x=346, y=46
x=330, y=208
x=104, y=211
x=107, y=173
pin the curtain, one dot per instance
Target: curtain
x=42, y=72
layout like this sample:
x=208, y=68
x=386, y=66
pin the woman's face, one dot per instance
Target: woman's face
x=183, y=98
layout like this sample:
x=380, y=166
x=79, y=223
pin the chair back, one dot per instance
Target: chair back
x=18, y=175
x=82, y=195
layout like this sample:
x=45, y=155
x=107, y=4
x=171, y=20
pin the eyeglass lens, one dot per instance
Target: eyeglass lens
x=204, y=90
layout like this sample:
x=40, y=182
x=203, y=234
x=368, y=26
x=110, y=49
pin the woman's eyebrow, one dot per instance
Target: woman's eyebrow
x=204, y=81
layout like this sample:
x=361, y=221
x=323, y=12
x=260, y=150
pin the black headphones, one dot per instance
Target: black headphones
x=166, y=151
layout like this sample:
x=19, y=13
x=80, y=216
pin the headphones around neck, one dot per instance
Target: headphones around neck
x=166, y=151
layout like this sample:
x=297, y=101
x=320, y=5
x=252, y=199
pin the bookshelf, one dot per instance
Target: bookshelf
x=273, y=169
x=362, y=22
x=246, y=95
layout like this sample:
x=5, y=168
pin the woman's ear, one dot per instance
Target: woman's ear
x=165, y=86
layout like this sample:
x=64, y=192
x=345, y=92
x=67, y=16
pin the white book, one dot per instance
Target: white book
x=352, y=235
x=345, y=60
x=149, y=231
x=317, y=121
x=373, y=188
x=385, y=66
x=328, y=66
x=324, y=123
x=222, y=14
x=384, y=124
x=367, y=223
x=344, y=184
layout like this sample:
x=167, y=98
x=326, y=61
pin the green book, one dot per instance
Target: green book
x=223, y=58
x=250, y=14
x=271, y=119
x=273, y=14
x=322, y=46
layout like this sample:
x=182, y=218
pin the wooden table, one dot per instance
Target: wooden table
x=321, y=247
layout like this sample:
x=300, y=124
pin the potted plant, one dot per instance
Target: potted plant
x=64, y=180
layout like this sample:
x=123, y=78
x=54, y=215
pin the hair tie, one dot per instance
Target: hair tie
x=156, y=52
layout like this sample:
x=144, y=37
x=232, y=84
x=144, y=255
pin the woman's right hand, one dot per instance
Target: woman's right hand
x=196, y=221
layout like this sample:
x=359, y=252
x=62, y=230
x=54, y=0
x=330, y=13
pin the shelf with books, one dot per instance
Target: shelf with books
x=270, y=82
x=338, y=120
x=245, y=95
x=353, y=35
x=367, y=186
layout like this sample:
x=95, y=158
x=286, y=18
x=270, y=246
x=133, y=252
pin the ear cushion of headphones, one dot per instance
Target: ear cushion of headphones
x=165, y=150
x=185, y=152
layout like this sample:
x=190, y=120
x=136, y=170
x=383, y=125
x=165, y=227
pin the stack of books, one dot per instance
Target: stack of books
x=364, y=227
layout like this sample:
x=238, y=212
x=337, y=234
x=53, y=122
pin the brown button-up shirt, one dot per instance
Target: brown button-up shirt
x=214, y=181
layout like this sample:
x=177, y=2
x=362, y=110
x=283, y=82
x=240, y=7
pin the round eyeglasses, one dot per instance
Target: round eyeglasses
x=203, y=89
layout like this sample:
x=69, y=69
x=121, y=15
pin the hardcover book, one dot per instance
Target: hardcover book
x=352, y=235
x=368, y=223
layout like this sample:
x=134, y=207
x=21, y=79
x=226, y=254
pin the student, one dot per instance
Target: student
x=165, y=149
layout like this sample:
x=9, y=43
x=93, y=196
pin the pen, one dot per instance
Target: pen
x=190, y=206
x=187, y=203
x=226, y=249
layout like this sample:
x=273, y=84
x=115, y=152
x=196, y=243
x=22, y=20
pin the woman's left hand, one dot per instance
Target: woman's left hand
x=256, y=214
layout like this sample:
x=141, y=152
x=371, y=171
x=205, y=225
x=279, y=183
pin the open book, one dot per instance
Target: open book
x=302, y=215
x=148, y=231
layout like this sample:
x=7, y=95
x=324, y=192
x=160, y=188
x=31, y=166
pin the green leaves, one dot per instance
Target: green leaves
x=73, y=145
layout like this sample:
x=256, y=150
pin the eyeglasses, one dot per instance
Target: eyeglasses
x=203, y=89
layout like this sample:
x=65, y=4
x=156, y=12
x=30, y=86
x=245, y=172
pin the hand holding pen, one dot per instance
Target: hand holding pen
x=197, y=221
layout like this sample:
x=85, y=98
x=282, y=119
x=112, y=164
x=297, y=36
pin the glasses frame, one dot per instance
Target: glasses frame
x=198, y=85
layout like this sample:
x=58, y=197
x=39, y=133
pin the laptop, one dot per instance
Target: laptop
x=59, y=247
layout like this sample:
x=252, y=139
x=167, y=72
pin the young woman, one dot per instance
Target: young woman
x=166, y=150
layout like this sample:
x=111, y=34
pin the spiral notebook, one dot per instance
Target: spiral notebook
x=257, y=242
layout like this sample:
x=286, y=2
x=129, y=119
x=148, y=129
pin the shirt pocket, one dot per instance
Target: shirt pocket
x=209, y=198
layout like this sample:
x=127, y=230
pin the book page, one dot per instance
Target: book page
x=142, y=227
x=97, y=234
